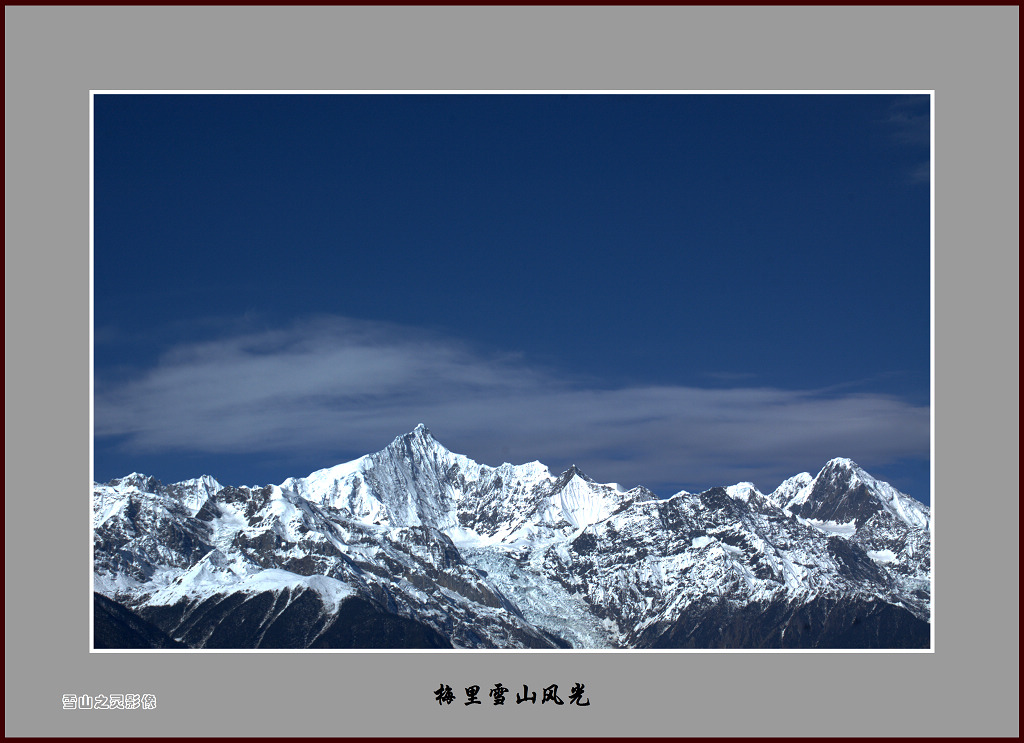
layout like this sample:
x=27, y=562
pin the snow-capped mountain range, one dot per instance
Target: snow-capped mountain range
x=415, y=546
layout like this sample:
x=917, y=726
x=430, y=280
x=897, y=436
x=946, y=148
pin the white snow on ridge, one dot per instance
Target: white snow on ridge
x=847, y=529
x=883, y=556
x=216, y=574
x=530, y=472
x=742, y=491
x=322, y=480
x=107, y=502
x=197, y=491
x=110, y=584
x=331, y=590
x=579, y=504
x=902, y=506
x=793, y=491
x=636, y=552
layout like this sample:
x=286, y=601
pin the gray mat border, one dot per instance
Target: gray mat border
x=967, y=55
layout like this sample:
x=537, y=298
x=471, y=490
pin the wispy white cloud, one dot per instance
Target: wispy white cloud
x=332, y=385
x=730, y=376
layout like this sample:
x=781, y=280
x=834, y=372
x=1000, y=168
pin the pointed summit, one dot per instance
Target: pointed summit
x=569, y=474
x=843, y=492
x=843, y=465
x=516, y=556
x=743, y=491
x=196, y=492
x=419, y=439
x=792, y=491
x=421, y=433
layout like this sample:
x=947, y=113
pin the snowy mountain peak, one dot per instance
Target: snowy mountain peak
x=843, y=492
x=196, y=492
x=580, y=501
x=145, y=483
x=792, y=492
x=420, y=434
x=846, y=473
x=842, y=465
x=742, y=491
x=418, y=443
x=203, y=482
x=512, y=556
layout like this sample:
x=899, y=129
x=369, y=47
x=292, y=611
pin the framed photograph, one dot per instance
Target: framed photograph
x=504, y=396
x=675, y=290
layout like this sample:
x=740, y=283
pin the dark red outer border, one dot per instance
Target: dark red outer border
x=531, y=740
x=511, y=3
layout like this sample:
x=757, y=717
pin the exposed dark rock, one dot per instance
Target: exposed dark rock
x=820, y=623
x=291, y=619
x=833, y=498
x=555, y=560
x=118, y=627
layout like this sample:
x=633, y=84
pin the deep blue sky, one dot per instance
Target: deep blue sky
x=672, y=290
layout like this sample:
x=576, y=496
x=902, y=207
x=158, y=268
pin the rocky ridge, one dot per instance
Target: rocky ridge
x=415, y=546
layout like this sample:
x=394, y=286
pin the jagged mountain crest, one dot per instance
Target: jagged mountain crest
x=513, y=556
x=137, y=480
x=843, y=492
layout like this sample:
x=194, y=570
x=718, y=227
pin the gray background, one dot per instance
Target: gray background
x=968, y=55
